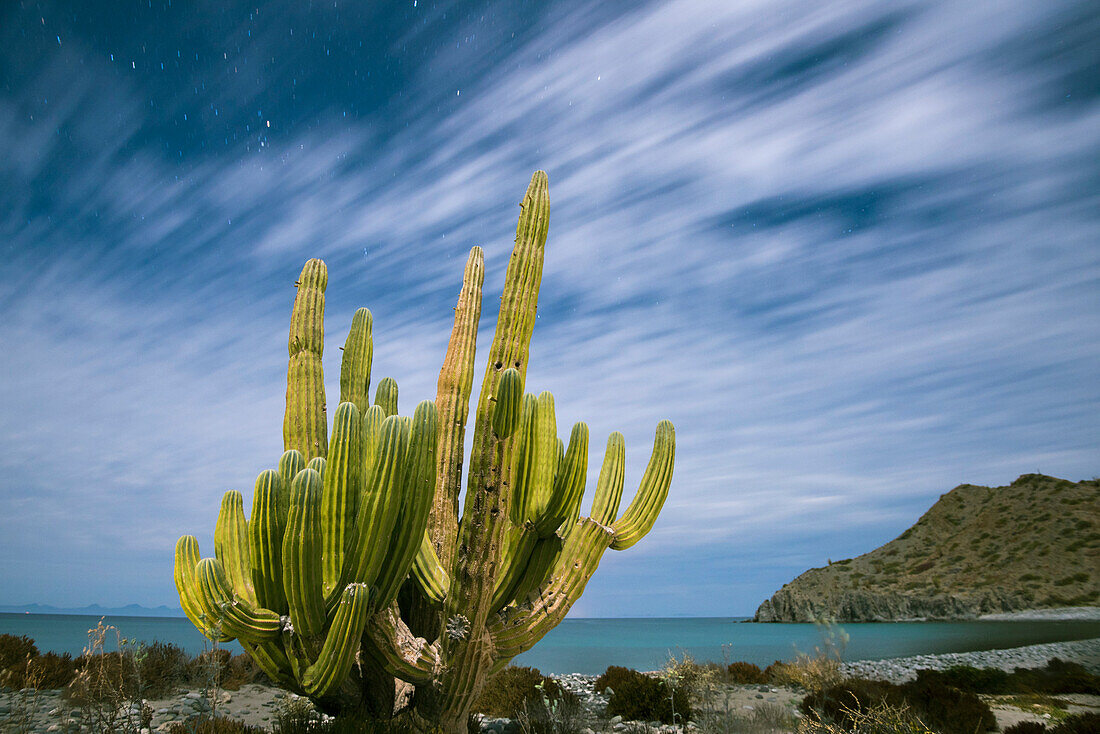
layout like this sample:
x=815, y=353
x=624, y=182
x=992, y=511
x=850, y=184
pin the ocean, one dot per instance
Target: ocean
x=590, y=645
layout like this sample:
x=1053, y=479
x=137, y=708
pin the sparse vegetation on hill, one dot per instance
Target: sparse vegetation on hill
x=1034, y=544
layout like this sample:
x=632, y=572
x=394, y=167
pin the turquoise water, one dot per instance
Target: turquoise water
x=590, y=645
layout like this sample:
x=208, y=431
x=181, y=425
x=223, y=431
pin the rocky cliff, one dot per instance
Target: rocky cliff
x=1034, y=544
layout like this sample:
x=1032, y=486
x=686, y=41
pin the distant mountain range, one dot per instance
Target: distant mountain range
x=1034, y=544
x=95, y=610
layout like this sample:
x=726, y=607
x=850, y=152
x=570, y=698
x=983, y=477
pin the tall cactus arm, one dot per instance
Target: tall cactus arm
x=485, y=512
x=265, y=541
x=609, y=488
x=515, y=552
x=402, y=654
x=372, y=430
x=187, y=557
x=428, y=572
x=237, y=616
x=385, y=396
x=304, y=424
x=517, y=630
x=417, y=493
x=568, y=484
x=231, y=545
x=341, y=642
x=290, y=463
x=340, y=499
x=546, y=453
x=381, y=502
x=522, y=508
x=302, y=575
x=274, y=663
x=540, y=562
x=356, y=360
x=318, y=464
x=647, y=503
x=509, y=403
x=452, y=399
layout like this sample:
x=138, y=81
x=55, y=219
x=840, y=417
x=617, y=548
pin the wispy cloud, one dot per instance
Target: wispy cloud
x=850, y=250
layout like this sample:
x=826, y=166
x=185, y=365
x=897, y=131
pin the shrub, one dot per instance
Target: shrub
x=639, y=697
x=15, y=650
x=1079, y=724
x=50, y=671
x=298, y=716
x=842, y=703
x=948, y=710
x=240, y=670
x=742, y=672
x=215, y=725
x=612, y=677
x=507, y=692
x=1059, y=676
x=967, y=678
x=778, y=672
x=545, y=716
x=1026, y=727
x=208, y=667
x=163, y=666
x=688, y=680
x=101, y=677
x=942, y=708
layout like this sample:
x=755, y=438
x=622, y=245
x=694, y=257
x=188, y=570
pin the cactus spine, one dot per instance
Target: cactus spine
x=344, y=523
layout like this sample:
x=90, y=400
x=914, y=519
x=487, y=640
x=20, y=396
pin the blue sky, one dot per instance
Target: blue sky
x=852, y=251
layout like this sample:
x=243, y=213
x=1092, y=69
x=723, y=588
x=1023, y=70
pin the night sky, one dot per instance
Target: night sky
x=851, y=249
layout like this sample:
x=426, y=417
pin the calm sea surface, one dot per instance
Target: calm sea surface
x=590, y=645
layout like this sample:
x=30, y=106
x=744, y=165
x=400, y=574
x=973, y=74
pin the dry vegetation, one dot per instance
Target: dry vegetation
x=1036, y=540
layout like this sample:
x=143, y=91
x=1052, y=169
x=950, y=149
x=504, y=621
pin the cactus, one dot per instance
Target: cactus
x=346, y=525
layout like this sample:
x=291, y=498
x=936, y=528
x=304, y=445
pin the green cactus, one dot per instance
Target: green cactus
x=347, y=524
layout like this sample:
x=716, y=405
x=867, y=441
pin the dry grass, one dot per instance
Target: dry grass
x=881, y=719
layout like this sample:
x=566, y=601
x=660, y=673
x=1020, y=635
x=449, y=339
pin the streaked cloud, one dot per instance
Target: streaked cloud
x=850, y=250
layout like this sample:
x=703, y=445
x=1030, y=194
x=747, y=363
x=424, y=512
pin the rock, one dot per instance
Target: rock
x=616, y=720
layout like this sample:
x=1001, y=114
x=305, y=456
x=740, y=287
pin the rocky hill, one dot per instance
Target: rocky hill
x=1034, y=544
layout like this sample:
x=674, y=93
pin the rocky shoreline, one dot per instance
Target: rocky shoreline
x=899, y=670
x=257, y=705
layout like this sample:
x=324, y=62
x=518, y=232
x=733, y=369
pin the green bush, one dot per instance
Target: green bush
x=1079, y=724
x=101, y=677
x=639, y=697
x=207, y=666
x=506, y=692
x=839, y=704
x=216, y=725
x=967, y=678
x=1059, y=676
x=948, y=710
x=241, y=670
x=742, y=672
x=163, y=667
x=50, y=671
x=15, y=650
x=297, y=716
x=614, y=675
x=1026, y=727
x=942, y=708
